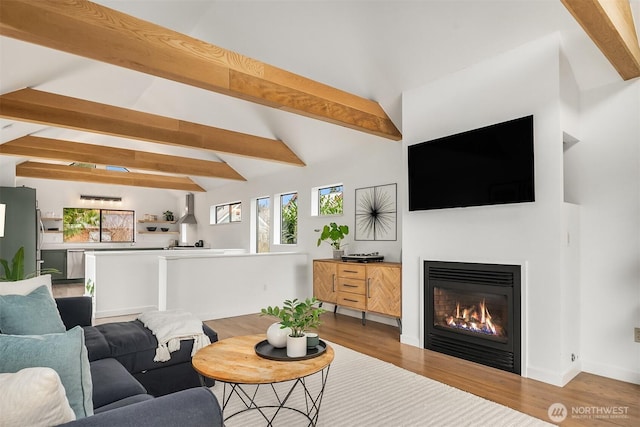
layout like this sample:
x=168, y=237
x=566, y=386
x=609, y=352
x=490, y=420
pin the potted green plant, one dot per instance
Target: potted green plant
x=15, y=271
x=168, y=215
x=333, y=234
x=299, y=316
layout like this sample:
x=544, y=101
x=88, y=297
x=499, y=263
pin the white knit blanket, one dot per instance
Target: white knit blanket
x=170, y=327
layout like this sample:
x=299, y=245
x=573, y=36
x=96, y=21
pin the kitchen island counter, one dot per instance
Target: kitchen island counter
x=207, y=282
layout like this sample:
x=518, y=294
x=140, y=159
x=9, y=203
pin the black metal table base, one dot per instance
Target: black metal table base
x=247, y=394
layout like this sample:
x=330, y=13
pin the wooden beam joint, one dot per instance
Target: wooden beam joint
x=609, y=23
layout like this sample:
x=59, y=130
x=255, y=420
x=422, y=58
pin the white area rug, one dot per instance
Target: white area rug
x=364, y=391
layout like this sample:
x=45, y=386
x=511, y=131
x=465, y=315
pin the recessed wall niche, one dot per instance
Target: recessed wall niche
x=569, y=168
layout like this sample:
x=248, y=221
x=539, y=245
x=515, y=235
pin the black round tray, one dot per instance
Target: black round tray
x=266, y=350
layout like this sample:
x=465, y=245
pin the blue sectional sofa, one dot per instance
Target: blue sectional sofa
x=105, y=374
x=133, y=346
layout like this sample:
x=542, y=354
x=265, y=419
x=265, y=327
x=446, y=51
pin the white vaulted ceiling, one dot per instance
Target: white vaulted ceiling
x=373, y=49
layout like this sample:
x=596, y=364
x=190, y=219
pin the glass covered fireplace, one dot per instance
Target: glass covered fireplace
x=472, y=311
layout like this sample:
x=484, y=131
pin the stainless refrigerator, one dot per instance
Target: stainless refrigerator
x=22, y=227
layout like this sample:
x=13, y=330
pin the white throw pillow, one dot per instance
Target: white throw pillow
x=33, y=397
x=24, y=287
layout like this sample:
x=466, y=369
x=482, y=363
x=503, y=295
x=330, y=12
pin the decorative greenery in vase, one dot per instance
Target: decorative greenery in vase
x=297, y=315
x=168, y=215
x=333, y=234
x=89, y=287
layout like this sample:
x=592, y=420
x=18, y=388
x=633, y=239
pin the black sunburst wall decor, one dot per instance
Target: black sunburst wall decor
x=376, y=210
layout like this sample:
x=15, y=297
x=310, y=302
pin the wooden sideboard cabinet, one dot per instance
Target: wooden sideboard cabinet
x=370, y=287
x=324, y=281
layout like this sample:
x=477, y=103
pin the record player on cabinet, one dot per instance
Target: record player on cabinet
x=364, y=258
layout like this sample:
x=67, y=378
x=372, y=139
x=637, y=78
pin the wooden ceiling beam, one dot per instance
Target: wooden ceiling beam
x=610, y=25
x=57, y=110
x=90, y=30
x=55, y=149
x=101, y=176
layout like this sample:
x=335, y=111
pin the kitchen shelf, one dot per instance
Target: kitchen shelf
x=142, y=221
x=158, y=232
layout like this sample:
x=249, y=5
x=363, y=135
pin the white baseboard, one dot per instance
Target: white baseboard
x=124, y=311
x=409, y=340
x=571, y=373
x=612, y=372
x=214, y=315
x=554, y=378
x=545, y=375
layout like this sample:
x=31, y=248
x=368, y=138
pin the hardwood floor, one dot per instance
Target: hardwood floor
x=584, y=396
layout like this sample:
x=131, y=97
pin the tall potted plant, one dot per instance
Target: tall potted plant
x=333, y=234
x=14, y=271
x=299, y=316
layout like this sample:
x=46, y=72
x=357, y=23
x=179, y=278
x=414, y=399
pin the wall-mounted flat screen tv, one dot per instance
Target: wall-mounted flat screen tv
x=486, y=166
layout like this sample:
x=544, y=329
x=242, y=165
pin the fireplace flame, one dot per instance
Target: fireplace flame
x=475, y=319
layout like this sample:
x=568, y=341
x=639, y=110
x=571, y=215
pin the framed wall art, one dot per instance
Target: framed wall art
x=376, y=213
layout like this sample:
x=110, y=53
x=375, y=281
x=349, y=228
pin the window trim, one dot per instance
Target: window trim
x=213, y=213
x=100, y=225
x=315, y=200
x=254, y=227
x=277, y=218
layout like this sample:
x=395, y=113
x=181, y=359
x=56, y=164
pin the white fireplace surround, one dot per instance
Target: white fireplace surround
x=529, y=80
x=523, y=305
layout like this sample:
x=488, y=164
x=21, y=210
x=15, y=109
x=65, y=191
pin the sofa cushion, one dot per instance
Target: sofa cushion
x=193, y=407
x=123, y=402
x=64, y=352
x=33, y=314
x=135, y=346
x=75, y=311
x=112, y=382
x=97, y=345
x=24, y=287
x=33, y=397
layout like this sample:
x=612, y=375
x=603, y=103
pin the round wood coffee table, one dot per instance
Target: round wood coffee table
x=234, y=362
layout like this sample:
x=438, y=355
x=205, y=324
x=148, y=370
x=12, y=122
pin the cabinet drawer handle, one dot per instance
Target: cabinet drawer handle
x=346, y=285
x=350, y=300
x=333, y=282
x=368, y=288
x=350, y=271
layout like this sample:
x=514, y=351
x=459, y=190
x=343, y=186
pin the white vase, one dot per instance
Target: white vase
x=296, y=346
x=338, y=254
x=277, y=336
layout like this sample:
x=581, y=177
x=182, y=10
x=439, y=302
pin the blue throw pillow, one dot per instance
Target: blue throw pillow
x=65, y=353
x=33, y=314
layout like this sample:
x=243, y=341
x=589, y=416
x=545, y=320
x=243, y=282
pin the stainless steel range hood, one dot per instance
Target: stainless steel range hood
x=189, y=216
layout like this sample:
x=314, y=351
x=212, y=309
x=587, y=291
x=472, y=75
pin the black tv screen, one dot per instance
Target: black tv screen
x=486, y=166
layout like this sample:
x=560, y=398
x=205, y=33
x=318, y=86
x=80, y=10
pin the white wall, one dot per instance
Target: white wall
x=582, y=263
x=219, y=286
x=125, y=282
x=56, y=195
x=380, y=164
x=518, y=83
x=605, y=174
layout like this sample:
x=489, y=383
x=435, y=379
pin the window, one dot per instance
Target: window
x=327, y=200
x=288, y=219
x=97, y=225
x=226, y=213
x=222, y=214
x=263, y=224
